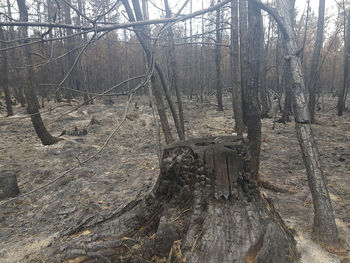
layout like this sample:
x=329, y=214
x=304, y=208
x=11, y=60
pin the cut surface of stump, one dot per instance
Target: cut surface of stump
x=8, y=184
x=204, y=208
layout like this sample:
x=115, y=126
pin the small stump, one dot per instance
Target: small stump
x=8, y=184
x=205, y=208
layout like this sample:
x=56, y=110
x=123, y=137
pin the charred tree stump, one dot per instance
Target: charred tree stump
x=8, y=184
x=205, y=207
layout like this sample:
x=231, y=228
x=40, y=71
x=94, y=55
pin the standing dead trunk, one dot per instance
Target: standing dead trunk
x=218, y=60
x=32, y=100
x=174, y=78
x=346, y=81
x=146, y=45
x=315, y=62
x=235, y=70
x=4, y=81
x=255, y=36
x=205, y=207
x=243, y=33
x=325, y=229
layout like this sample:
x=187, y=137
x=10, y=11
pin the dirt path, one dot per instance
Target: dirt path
x=128, y=167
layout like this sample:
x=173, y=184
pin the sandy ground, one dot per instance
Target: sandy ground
x=128, y=166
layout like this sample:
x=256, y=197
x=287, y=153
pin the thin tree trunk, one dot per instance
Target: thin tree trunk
x=243, y=31
x=146, y=45
x=32, y=100
x=346, y=81
x=253, y=85
x=314, y=71
x=235, y=68
x=325, y=229
x=173, y=71
x=218, y=60
x=4, y=81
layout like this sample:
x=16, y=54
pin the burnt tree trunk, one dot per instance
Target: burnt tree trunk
x=8, y=184
x=205, y=207
x=218, y=59
x=4, y=81
x=32, y=100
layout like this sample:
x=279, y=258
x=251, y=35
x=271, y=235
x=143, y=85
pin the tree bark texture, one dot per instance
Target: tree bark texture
x=8, y=184
x=174, y=78
x=315, y=62
x=146, y=45
x=253, y=114
x=218, y=59
x=243, y=33
x=235, y=70
x=4, y=81
x=204, y=207
x=32, y=100
x=325, y=230
x=346, y=81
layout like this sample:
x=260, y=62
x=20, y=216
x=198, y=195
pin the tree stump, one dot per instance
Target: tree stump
x=8, y=184
x=205, y=207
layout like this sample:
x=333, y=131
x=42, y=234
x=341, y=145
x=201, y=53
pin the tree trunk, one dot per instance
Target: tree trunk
x=315, y=62
x=30, y=93
x=325, y=229
x=146, y=45
x=4, y=81
x=8, y=184
x=255, y=39
x=205, y=207
x=218, y=60
x=174, y=78
x=346, y=81
x=243, y=31
x=235, y=71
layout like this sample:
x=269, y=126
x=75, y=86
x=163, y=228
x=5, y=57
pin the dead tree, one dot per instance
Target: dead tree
x=32, y=100
x=346, y=81
x=253, y=68
x=325, y=229
x=315, y=62
x=218, y=59
x=204, y=207
x=4, y=81
x=235, y=70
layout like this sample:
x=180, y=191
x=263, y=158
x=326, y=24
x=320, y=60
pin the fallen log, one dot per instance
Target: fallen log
x=205, y=207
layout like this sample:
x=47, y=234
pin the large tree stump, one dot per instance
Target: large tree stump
x=204, y=208
x=8, y=184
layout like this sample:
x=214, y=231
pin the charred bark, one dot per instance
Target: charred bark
x=4, y=77
x=32, y=100
x=205, y=207
x=235, y=69
x=8, y=184
x=325, y=229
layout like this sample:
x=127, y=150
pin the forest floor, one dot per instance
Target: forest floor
x=128, y=167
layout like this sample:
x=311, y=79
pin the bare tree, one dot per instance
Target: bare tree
x=4, y=81
x=32, y=100
x=218, y=60
x=315, y=62
x=325, y=229
x=235, y=67
x=346, y=81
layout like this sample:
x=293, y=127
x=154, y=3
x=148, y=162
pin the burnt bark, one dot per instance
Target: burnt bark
x=4, y=81
x=235, y=70
x=325, y=229
x=204, y=207
x=346, y=81
x=253, y=113
x=218, y=60
x=32, y=100
x=8, y=184
x=315, y=70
